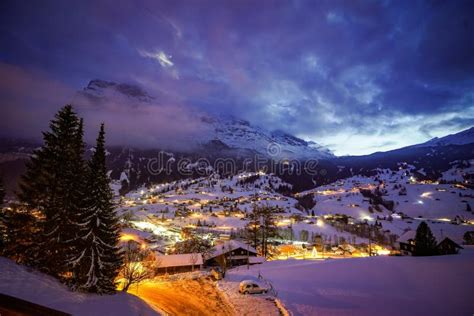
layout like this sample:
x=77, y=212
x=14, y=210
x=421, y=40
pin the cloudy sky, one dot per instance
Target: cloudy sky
x=357, y=76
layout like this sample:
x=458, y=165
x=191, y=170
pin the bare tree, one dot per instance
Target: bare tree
x=193, y=259
x=138, y=265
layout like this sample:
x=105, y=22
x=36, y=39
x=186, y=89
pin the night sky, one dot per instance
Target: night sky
x=357, y=76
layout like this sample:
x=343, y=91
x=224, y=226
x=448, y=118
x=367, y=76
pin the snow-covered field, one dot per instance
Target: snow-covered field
x=29, y=285
x=440, y=285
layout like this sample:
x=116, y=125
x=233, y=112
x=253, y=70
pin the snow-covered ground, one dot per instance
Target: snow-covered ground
x=456, y=173
x=443, y=206
x=29, y=285
x=440, y=285
x=432, y=201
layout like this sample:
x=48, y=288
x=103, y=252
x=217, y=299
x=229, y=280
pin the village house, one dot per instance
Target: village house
x=171, y=264
x=234, y=253
x=448, y=247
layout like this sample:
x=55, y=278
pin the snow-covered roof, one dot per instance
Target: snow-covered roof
x=407, y=236
x=228, y=246
x=181, y=260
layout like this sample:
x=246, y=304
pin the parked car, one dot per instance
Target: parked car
x=251, y=287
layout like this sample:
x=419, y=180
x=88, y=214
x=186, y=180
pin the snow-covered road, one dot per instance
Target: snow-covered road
x=257, y=304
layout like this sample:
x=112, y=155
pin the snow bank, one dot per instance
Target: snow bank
x=30, y=285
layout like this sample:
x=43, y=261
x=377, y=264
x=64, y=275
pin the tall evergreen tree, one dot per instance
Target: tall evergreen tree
x=99, y=260
x=52, y=187
x=425, y=242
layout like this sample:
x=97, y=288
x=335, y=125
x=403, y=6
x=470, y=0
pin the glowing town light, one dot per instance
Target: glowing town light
x=367, y=218
x=426, y=194
x=224, y=227
x=383, y=252
x=128, y=237
x=157, y=230
x=284, y=222
x=320, y=223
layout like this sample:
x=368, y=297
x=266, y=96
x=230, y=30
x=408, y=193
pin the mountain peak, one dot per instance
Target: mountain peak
x=240, y=134
x=98, y=88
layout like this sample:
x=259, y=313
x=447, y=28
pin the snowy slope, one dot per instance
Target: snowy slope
x=459, y=173
x=29, y=285
x=370, y=286
x=461, y=138
x=428, y=200
x=445, y=207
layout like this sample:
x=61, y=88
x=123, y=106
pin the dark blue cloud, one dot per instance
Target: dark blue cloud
x=324, y=70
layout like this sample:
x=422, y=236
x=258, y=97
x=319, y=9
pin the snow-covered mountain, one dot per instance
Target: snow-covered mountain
x=229, y=132
x=240, y=134
x=461, y=138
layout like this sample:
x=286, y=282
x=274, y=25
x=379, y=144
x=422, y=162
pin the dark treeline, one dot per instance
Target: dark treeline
x=65, y=224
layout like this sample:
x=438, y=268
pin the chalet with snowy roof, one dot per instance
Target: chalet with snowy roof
x=448, y=247
x=171, y=264
x=408, y=245
x=235, y=253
